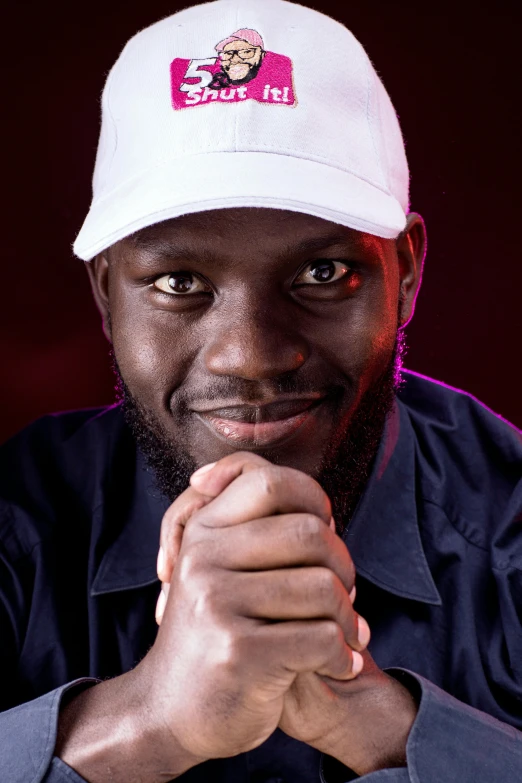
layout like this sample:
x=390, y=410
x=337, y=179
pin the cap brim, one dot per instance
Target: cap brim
x=220, y=180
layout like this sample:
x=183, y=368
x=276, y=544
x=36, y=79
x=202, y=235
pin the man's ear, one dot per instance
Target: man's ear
x=98, y=271
x=411, y=251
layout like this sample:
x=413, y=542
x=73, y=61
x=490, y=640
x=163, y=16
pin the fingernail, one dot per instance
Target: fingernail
x=160, y=606
x=363, y=631
x=353, y=594
x=357, y=663
x=161, y=561
x=204, y=469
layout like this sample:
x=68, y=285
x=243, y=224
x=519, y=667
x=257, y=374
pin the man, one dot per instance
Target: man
x=241, y=55
x=293, y=492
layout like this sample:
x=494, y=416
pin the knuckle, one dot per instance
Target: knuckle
x=230, y=650
x=333, y=636
x=225, y=651
x=309, y=486
x=189, y=564
x=328, y=586
x=269, y=479
x=212, y=599
x=206, y=603
x=310, y=531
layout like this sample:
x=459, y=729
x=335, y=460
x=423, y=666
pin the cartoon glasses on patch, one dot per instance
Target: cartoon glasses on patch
x=243, y=54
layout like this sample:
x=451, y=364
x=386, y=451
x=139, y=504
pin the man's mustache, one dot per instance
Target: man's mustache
x=183, y=400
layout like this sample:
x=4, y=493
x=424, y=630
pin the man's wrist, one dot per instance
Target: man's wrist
x=386, y=722
x=108, y=732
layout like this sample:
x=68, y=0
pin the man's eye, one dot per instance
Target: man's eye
x=179, y=283
x=323, y=271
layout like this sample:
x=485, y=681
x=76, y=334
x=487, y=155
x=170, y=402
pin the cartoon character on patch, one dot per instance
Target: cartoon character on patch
x=241, y=56
x=242, y=70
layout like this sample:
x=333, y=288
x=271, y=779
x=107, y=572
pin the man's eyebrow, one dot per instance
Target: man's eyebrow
x=162, y=248
x=173, y=249
x=315, y=244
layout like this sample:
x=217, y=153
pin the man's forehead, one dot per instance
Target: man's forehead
x=251, y=231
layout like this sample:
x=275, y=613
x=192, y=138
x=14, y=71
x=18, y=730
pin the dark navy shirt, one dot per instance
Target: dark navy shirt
x=436, y=540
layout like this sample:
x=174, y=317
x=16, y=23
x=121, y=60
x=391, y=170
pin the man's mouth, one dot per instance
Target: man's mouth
x=250, y=425
x=238, y=70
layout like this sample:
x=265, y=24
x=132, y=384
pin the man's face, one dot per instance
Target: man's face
x=255, y=329
x=239, y=59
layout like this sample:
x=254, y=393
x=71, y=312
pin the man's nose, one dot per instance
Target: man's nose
x=256, y=345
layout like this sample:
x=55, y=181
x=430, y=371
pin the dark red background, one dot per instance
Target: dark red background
x=453, y=72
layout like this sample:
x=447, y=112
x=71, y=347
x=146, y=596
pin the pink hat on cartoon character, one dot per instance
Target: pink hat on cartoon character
x=250, y=36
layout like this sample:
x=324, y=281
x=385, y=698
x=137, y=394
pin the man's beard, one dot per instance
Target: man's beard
x=222, y=79
x=343, y=471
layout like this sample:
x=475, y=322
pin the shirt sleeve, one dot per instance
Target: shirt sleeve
x=332, y=771
x=28, y=737
x=60, y=772
x=449, y=741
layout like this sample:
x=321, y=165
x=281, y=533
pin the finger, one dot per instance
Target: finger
x=297, y=594
x=280, y=541
x=265, y=491
x=213, y=478
x=192, y=499
x=162, y=602
x=172, y=527
x=306, y=646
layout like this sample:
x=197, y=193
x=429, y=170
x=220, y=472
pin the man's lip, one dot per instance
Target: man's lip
x=252, y=434
x=253, y=412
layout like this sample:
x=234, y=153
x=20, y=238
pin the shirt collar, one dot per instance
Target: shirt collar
x=383, y=537
x=130, y=561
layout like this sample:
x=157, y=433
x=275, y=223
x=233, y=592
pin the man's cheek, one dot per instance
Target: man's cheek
x=148, y=362
x=376, y=332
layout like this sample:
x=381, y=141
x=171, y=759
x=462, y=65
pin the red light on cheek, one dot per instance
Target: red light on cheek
x=354, y=281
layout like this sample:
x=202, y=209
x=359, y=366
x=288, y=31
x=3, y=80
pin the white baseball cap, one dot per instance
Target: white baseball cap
x=243, y=103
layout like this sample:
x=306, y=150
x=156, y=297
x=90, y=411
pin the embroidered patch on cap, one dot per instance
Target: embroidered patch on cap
x=242, y=70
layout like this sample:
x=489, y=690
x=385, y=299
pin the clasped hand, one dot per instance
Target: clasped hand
x=258, y=628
